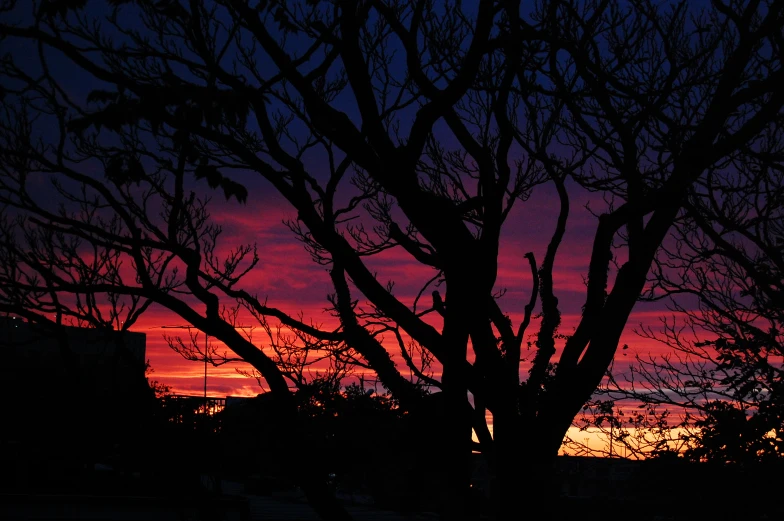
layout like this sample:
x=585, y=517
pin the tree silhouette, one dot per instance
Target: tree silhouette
x=416, y=125
x=722, y=274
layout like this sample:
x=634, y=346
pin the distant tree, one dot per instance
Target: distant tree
x=428, y=121
x=358, y=439
x=158, y=388
x=700, y=404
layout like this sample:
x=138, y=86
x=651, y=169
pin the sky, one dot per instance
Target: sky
x=289, y=280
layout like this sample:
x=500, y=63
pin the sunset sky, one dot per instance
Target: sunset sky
x=560, y=219
x=291, y=281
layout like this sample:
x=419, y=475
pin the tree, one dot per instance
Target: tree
x=432, y=120
x=722, y=275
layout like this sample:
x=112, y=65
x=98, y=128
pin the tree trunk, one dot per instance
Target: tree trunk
x=524, y=485
x=509, y=485
x=540, y=500
x=453, y=455
x=453, y=446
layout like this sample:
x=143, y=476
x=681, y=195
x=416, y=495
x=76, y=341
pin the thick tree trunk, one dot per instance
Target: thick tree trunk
x=453, y=455
x=524, y=485
x=454, y=444
x=540, y=500
x=509, y=485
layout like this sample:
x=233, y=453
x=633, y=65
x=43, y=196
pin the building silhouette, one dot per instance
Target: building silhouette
x=75, y=397
x=100, y=354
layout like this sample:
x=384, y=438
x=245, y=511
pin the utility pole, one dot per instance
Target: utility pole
x=611, y=433
x=206, y=349
x=206, y=353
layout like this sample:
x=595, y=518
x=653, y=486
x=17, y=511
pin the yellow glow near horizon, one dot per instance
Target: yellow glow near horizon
x=595, y=442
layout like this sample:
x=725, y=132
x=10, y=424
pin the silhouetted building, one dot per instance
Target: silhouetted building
x=78, y=396
x=102, y=355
